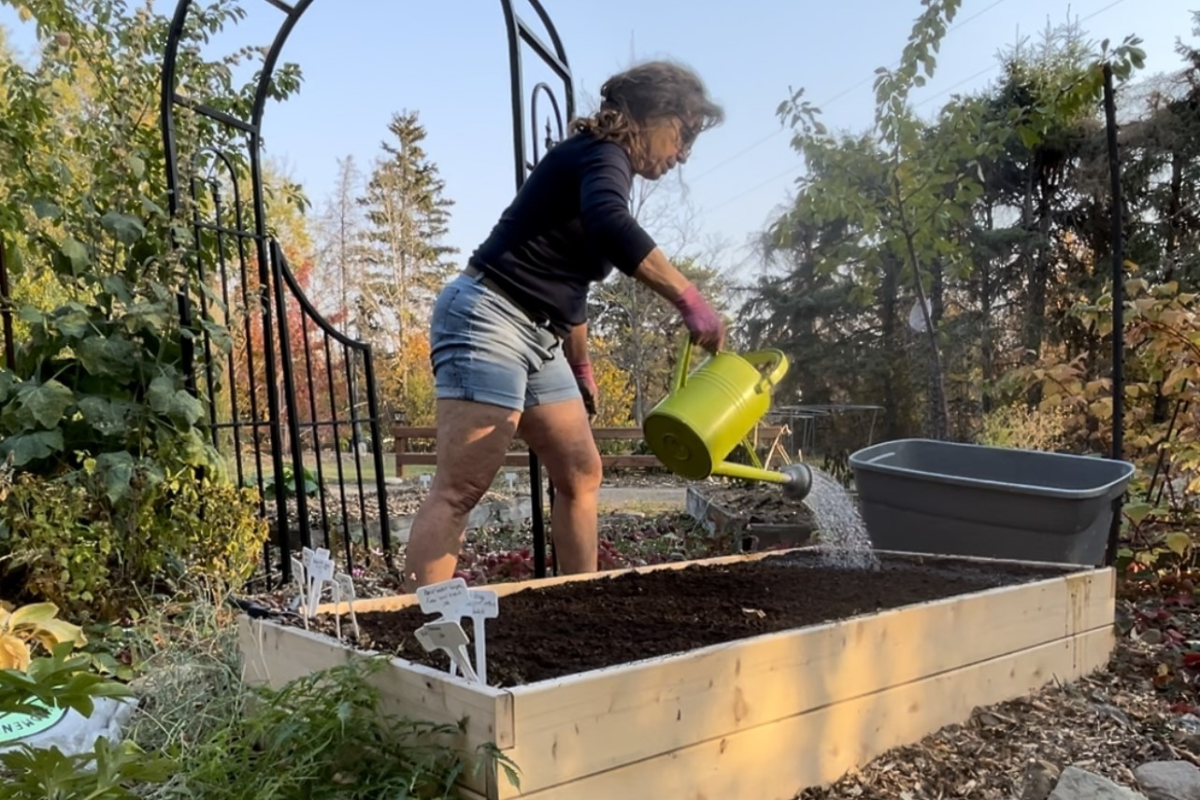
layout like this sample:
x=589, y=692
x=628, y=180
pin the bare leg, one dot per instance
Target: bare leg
x=472, y=440
x=560, y=435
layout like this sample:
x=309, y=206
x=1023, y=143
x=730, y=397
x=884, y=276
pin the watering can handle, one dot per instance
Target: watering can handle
x=681, y=369
x=774, y=357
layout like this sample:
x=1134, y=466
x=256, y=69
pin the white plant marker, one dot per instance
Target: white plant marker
x=511, y=477
x=344, y=586
x=299, y=576
x=453, y=601
x=484, y=605
x=306, y=557
x=337, y=618
x=426, y=479
x=320, y=570
x=447, y=635
x=450, y=599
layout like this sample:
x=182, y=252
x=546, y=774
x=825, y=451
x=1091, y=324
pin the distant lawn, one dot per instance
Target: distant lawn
x=351, y=466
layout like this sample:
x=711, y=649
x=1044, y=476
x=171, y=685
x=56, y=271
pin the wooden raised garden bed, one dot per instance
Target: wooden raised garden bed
x=741, y=678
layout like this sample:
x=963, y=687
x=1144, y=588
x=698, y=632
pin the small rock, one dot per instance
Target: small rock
x=1169, y=780
x=1078, y=784
x=1111, y=711
x=987, y=719
x=1189, y=741
x=1039, y=780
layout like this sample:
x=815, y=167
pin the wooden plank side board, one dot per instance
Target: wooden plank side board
x=776, y=760
x=578, y=726
x=274, y=654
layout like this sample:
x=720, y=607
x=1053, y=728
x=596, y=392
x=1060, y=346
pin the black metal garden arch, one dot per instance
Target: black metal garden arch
x=298, y=383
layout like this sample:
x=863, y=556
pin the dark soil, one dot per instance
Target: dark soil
x=562, y=630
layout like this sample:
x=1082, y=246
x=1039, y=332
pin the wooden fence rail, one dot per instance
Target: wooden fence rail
x=403, y=433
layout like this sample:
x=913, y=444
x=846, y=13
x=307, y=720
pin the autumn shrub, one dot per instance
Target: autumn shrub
x=614, y=405
x=1017, y=425
x=1162, y=367
x=64, y=541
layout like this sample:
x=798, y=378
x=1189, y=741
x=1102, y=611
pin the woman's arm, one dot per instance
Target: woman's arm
x=607, y=178
x=658, y=273
x=703, y=323
x=575, y=345
x=576, y=350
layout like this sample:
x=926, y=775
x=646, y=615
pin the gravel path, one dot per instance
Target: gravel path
x=635, y=497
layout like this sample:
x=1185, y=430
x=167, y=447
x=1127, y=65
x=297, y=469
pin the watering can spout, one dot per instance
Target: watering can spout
x=795, y=480
x=711, y=411
x=799, y=483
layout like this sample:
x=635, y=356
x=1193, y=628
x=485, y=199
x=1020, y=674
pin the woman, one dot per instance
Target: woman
x=509, y=335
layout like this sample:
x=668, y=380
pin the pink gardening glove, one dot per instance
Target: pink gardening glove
x=701, y=319
x=587, y=385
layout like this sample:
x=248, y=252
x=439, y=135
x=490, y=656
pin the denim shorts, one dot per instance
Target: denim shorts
x=485, y=348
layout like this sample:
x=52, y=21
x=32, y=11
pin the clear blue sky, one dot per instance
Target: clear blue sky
x=364, y=59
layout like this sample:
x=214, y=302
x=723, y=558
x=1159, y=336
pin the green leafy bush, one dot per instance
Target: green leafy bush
x=323, y=736
x=104, y=773
x=291, y=482
x=118, y=490
x=66, y=540
x=319, y=737
x=58, y=679
x=99, y=385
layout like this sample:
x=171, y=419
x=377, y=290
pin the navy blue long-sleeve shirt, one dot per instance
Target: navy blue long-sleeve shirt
x=568, y=227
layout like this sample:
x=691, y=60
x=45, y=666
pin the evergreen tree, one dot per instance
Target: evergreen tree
x=341, y=238
x=404, y=262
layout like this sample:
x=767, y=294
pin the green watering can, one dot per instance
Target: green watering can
x=712, y=410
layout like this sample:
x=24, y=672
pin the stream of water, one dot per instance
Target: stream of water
x=842, y=534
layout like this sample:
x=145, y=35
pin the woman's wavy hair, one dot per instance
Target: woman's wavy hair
x=650, y=91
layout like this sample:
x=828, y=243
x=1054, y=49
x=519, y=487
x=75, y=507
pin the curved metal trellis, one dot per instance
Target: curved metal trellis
x=297, y=389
